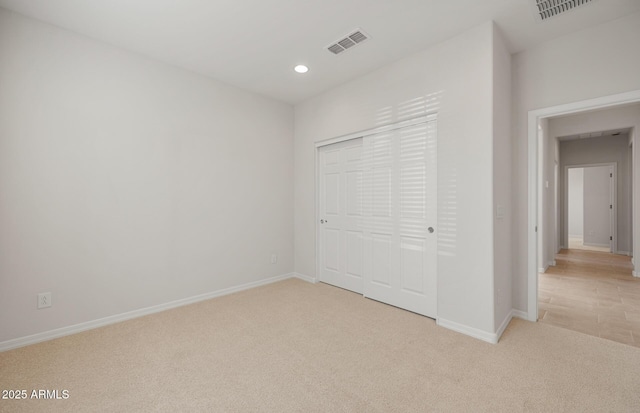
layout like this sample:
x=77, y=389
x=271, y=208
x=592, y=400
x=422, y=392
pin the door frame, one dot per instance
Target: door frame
x=347, y=282
x=367, y=132
x=534, y=118
x=613, y=194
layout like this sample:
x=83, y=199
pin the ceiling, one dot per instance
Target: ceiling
x=598, y=134
x=254, y=44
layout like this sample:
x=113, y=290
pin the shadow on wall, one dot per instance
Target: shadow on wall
x=447, y=173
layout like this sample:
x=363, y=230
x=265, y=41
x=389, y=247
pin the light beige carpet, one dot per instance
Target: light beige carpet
x=298, y=347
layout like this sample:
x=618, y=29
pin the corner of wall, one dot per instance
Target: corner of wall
x=501, y=164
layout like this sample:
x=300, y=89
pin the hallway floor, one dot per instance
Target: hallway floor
x=578, y=244
x=593, y=293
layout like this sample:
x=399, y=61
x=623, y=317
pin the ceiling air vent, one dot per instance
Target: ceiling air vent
x=353, y=39
x=545, y=9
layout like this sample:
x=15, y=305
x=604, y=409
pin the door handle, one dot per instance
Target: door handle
x=323, y=221
x=430, y=229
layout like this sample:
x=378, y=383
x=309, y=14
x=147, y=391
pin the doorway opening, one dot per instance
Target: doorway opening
x=585, y=290
x=591, y=207
x=589, y=287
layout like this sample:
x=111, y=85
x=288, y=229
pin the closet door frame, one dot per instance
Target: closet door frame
x=343, y=217
x=386, y=128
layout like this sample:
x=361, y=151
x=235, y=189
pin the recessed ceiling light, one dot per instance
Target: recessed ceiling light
x=301, y=69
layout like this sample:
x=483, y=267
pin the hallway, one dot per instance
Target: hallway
x=593, y=293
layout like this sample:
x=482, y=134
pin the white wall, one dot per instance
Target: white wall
x=501, y=178
x=631, y=192
x=548, y=151
x=575, y=204
x=618, y=117
x=597, y=198
x=613, y=149
x=454, y=79
x=599, y=61
x=126, y=183
x=546, y=199
x=553, y=210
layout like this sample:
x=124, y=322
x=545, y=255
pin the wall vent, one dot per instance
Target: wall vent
x=545, y=9
x=353, y=39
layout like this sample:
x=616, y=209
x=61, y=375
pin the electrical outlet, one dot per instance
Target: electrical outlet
x=44, y=300
x=274, y=258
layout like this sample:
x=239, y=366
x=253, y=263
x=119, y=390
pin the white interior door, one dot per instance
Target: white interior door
x=377, y=216
x=400, y=213
x=340, y=227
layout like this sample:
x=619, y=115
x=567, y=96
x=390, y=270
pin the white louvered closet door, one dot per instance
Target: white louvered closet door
x=399, y=217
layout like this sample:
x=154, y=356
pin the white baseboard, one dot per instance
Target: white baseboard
x=306, y=278
x=623, y=253
x=551, y=264
x=469, y=331
x=635, y=274
x=507, y=320
x=101, y=322
x=503, y=325
x=520, y=314
x=483, y=335
x=542, y=270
